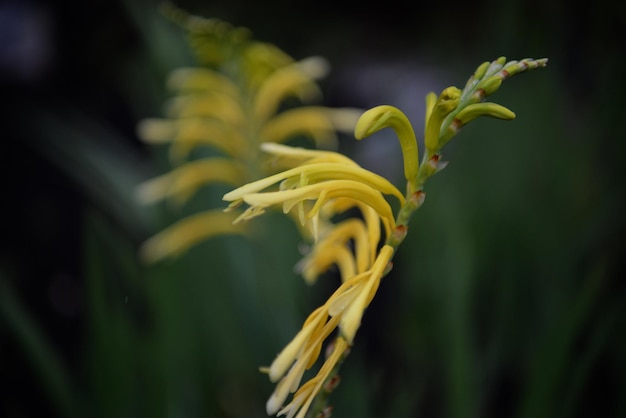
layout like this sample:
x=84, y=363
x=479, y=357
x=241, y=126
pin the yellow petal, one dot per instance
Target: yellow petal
x=187, y=232
x=194, y=132
x=308, y=121
x=334, y=239
x=324, y=192
x=188, y=80
x=185, y=180
x=317, y=122
x=157, y=131
x=339, y=348
x=325, y=256
x=317, y=173
x=290, y=353
x=344, y=297
x=284, y=82
x=213, y=105
x=294, y=156
x=351, y=318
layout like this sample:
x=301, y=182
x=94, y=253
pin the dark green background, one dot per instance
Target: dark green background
x=506, y=300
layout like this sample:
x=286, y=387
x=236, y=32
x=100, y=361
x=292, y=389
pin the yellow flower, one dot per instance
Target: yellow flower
x=320, y=182
x=343, y=309
x=303, y=398
x=314, y=187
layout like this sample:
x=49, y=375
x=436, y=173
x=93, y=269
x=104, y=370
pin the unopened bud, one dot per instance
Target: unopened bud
x=481, y=70
x=447, y=102
x=490, y=85
x=515, y=67
x=494, y=110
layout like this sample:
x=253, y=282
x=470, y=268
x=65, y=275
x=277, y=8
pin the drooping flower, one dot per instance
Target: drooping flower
x=344, y=309
x=313, y=188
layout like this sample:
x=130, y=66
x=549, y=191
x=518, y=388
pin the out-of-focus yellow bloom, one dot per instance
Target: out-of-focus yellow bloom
x=188, y=232
x=232, y=104
x=182, y=182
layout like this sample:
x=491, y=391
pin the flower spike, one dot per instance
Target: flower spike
x=321, y=184
x=235, y=103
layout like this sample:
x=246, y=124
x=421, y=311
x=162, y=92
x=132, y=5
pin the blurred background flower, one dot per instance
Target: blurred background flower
x=507, y=299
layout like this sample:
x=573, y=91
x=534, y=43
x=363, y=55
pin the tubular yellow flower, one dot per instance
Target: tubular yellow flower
x=322, y=193
x=362, y=236
x=351, y=318
x=344, y=308
x=293, y=80
x=317, y=181
x=317, y=122
x=303, y=398
x=325, y=255
x=289, y=354
x=385, y=116
x=325, y=251
x=288, y=157
x=315, y=173
x=297, y=357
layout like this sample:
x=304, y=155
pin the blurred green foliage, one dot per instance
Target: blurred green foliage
x=507, y=299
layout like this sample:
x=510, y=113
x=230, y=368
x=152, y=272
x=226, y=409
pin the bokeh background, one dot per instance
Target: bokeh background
x=507, y=299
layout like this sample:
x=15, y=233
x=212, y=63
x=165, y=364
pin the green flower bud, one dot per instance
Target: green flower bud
x=447, y=102
x=481, y=70
x=515, y=67
x=494, y=110
x=490, y=85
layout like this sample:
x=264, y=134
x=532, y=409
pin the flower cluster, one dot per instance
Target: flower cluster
x=243, y=93
x=320, y=185
x=315, y=186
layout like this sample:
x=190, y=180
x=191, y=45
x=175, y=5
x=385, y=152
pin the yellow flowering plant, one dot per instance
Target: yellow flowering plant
x=234, y=103
x=319, y=185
